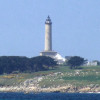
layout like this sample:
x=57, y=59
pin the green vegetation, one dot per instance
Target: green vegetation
x=15, y=64
x=82, y=77
x=60, y=76
x=75, y=61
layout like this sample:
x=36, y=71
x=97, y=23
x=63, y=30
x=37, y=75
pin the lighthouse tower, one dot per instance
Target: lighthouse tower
x=48, y=34
x=48, y=43
x=48, y=39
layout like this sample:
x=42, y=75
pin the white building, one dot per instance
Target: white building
x=92, y=63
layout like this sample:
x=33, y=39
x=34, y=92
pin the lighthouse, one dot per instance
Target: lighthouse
x=48, y=34
x=48, y=43
x=48, y=40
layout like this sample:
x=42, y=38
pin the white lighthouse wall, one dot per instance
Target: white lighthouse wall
x=48, y=37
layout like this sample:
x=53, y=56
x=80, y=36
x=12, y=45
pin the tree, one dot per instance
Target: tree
x=9, y=64
x=76, y=61
x=43, y=63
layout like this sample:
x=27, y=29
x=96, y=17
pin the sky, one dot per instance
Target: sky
x=75, y=28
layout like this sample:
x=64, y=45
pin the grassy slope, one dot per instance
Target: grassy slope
x=82, y=77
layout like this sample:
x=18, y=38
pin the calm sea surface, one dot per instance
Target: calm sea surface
x=49, y=96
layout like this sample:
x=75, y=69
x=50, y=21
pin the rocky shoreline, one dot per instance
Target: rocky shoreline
x=66, y=89
x=33, y=85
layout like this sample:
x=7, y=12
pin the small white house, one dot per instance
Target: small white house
x=92, y=63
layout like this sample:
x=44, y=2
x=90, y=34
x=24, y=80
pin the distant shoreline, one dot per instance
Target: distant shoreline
x=63, y=89
x=62, y=79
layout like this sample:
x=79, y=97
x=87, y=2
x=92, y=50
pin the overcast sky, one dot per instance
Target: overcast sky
x=75, y=28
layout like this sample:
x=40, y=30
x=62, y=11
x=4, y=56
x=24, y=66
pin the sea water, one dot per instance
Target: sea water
x=49, y=96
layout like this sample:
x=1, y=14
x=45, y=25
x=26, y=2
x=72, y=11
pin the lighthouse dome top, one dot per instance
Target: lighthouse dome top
x=48, y=20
